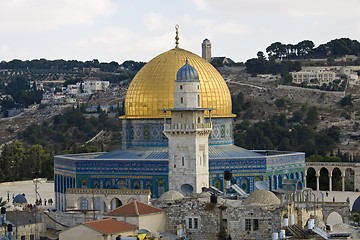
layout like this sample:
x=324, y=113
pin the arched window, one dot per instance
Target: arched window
x=198, y=99
x=180, y=86
x=183, y=161
x=181, y=100
x=96, y=184
x=108, y=183
x=160, y=187
x=84, y=183
x=218, y=184
x=83, y=204
x=122, y=184
x=245, y=184
x=136, y=184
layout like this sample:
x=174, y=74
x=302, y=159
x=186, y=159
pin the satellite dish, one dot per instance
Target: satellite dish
x=261, y=185
x=187, y=189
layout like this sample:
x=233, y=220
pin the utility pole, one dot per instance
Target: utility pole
x=37, y=196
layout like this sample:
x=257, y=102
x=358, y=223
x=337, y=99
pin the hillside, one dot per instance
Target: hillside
x=264, y=92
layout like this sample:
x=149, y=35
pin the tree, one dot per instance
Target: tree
x=346, y=101
x=280, y=103
x=261, y=55
x=304, y=48
x=277, y=49
x=312, y=116
x=2, y=202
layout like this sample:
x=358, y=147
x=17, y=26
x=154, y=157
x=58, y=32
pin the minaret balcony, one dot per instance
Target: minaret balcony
x=190, y=127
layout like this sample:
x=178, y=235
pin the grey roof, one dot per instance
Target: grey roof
x=187, y=73
x=137, y=153
x=161, y=153
x=231, y=151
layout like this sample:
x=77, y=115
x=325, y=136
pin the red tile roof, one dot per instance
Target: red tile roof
x=110, y=225
x=134, y=208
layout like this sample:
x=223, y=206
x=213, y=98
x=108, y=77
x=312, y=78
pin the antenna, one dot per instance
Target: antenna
x=261, y=185
x=187, y=189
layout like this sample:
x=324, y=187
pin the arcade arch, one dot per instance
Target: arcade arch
x=334, y=176
x=311, y=179
x=336, y=180
x=324, y=179
x=349, y=180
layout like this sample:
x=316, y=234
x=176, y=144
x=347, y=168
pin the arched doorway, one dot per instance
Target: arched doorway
x=324, y=179
x=99, y=205
x=115, y=203
x=311, y=178
x=280, y=181
x=275, y=182
x=349, y=180
x=336, y=180
x=270, y=183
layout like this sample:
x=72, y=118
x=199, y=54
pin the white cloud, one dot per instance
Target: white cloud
x=21, y=15
x=4, y=48
x=153, y=21
x=230, y=28
x=124, y=43
x=330, y=8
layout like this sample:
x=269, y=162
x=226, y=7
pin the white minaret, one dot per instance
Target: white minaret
x=206, y=50
x=188, y=135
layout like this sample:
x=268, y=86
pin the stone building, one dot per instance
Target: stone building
x=257, y=217
x=206, y=50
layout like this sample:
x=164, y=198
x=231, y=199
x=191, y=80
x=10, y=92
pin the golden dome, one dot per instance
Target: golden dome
x=153, y=86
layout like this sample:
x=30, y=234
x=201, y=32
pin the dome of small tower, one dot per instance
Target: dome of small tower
x=187, y=73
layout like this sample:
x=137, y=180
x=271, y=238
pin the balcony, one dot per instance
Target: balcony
x=187, y=127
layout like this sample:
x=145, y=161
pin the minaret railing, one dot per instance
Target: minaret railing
x=187, y=127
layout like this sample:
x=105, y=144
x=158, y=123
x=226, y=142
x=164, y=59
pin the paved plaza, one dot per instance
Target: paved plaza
x=45, y=190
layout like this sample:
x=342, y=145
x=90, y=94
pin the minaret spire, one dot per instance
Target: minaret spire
x=177, y=36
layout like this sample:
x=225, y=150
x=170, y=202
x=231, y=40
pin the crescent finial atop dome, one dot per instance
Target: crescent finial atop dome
x=177, y=36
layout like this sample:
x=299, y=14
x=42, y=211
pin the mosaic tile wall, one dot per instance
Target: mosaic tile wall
x=149, y=132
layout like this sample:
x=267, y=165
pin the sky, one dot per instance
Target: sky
x=117, y=30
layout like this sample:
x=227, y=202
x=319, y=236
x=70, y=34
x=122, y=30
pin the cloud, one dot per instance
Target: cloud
x=4, y=48
x=153, y=21
x=330, y=8
x=22, y=15
x=122, y=42
x=230, y=28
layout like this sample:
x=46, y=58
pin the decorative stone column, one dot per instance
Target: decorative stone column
x=317, y=181
x=330, y=181
x=343, y=181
